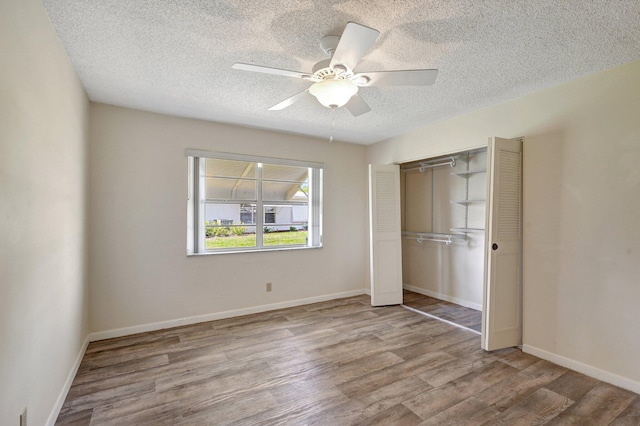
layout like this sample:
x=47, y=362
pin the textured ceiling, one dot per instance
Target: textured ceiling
x=175, y=57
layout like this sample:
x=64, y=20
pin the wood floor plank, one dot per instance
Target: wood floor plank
x=209, y=354
x=367, y=326
x=339, y=362
x=347, y=412
x=162, y=415
x=342, y=310
x=244, y=320
x=126, y=367
x=228, y=411
x=128, y=352
x=439, y=375
x=384, y=398
x=434, y=342
x=224, y=334
x=79, y=418
x=471, y=410
x=573, y=385
x=470, y=346
x=355, y=300
x=379, y=379
x=408, y=319
x=519, y=386
x=601, y=405
x=537, y=409
x=231, y=342
x=396, y=415
x=437, y=400
x=302, y=411
x=519, y=360
x=176, y=369
x=221, y=378
x=344, y=372
x=414, y=331
x=296, y=362
x=630, y=416
x=96, y=399
x=305, y=391
x=350, y=349
x=324, y=323
x=122, y=342
x=380, y=406
x=149, y=403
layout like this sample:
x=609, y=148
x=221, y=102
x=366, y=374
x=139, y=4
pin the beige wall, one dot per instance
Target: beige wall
x=43, y=296
x=581, y=209
x=139, y=271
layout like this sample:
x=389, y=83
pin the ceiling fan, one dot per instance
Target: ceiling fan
x=334, y=82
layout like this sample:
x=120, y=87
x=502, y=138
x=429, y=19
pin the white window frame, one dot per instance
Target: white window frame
x=196, y=202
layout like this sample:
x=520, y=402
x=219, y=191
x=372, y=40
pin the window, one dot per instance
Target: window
x=247, y=203
x=269, y=214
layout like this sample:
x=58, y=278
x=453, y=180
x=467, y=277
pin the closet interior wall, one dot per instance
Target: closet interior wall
x=445, y=201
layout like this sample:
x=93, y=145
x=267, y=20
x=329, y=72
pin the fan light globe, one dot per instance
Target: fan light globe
x=333, y=93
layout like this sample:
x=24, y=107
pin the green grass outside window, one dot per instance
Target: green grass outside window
x=249, y=240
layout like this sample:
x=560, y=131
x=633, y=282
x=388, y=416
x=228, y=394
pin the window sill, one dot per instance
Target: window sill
x=245, y=250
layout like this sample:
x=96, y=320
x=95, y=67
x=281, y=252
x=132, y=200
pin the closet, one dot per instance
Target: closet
x=450, y=227
x=443, y=213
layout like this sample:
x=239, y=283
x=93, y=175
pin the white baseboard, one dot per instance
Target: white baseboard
x=587, y=369
x=143, y=328
x=67, y=385
x=457, y=301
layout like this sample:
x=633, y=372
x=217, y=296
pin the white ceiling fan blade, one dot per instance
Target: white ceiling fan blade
x=289, y=101
x=354, y=42
x=269, y=70
x=396, y=78
x=357, y=106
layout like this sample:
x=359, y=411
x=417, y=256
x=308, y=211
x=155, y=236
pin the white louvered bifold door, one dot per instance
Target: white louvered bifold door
x=384, y=235
x=502, y=310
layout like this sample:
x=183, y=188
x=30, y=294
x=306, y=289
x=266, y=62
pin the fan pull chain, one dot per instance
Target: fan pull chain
x=333, y=123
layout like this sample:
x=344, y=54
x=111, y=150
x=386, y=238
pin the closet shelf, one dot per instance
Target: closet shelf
x=464, y=202
x=467, y=174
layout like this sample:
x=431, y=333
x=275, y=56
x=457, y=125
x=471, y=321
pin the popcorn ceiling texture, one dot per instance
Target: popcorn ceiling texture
x=175, y=57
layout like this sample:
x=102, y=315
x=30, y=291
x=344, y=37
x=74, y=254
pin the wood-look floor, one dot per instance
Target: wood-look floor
x=340, y=362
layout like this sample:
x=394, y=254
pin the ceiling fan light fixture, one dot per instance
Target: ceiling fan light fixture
x=333, y=93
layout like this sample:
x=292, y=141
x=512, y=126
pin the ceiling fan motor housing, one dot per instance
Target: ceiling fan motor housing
x=323, y=71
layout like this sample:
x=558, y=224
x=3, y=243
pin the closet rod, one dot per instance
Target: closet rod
x=432, y=236
x=447, y=241
x=423, y=166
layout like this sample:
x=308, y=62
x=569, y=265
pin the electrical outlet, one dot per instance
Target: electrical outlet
x=23, y=417
x=269, y=287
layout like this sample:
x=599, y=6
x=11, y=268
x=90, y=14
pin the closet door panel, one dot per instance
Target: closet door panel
x=502, y=319
x=384, y=232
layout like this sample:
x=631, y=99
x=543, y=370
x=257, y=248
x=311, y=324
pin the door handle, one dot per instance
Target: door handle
x=494, y=246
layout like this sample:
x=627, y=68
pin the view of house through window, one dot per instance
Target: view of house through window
x=252, y=203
